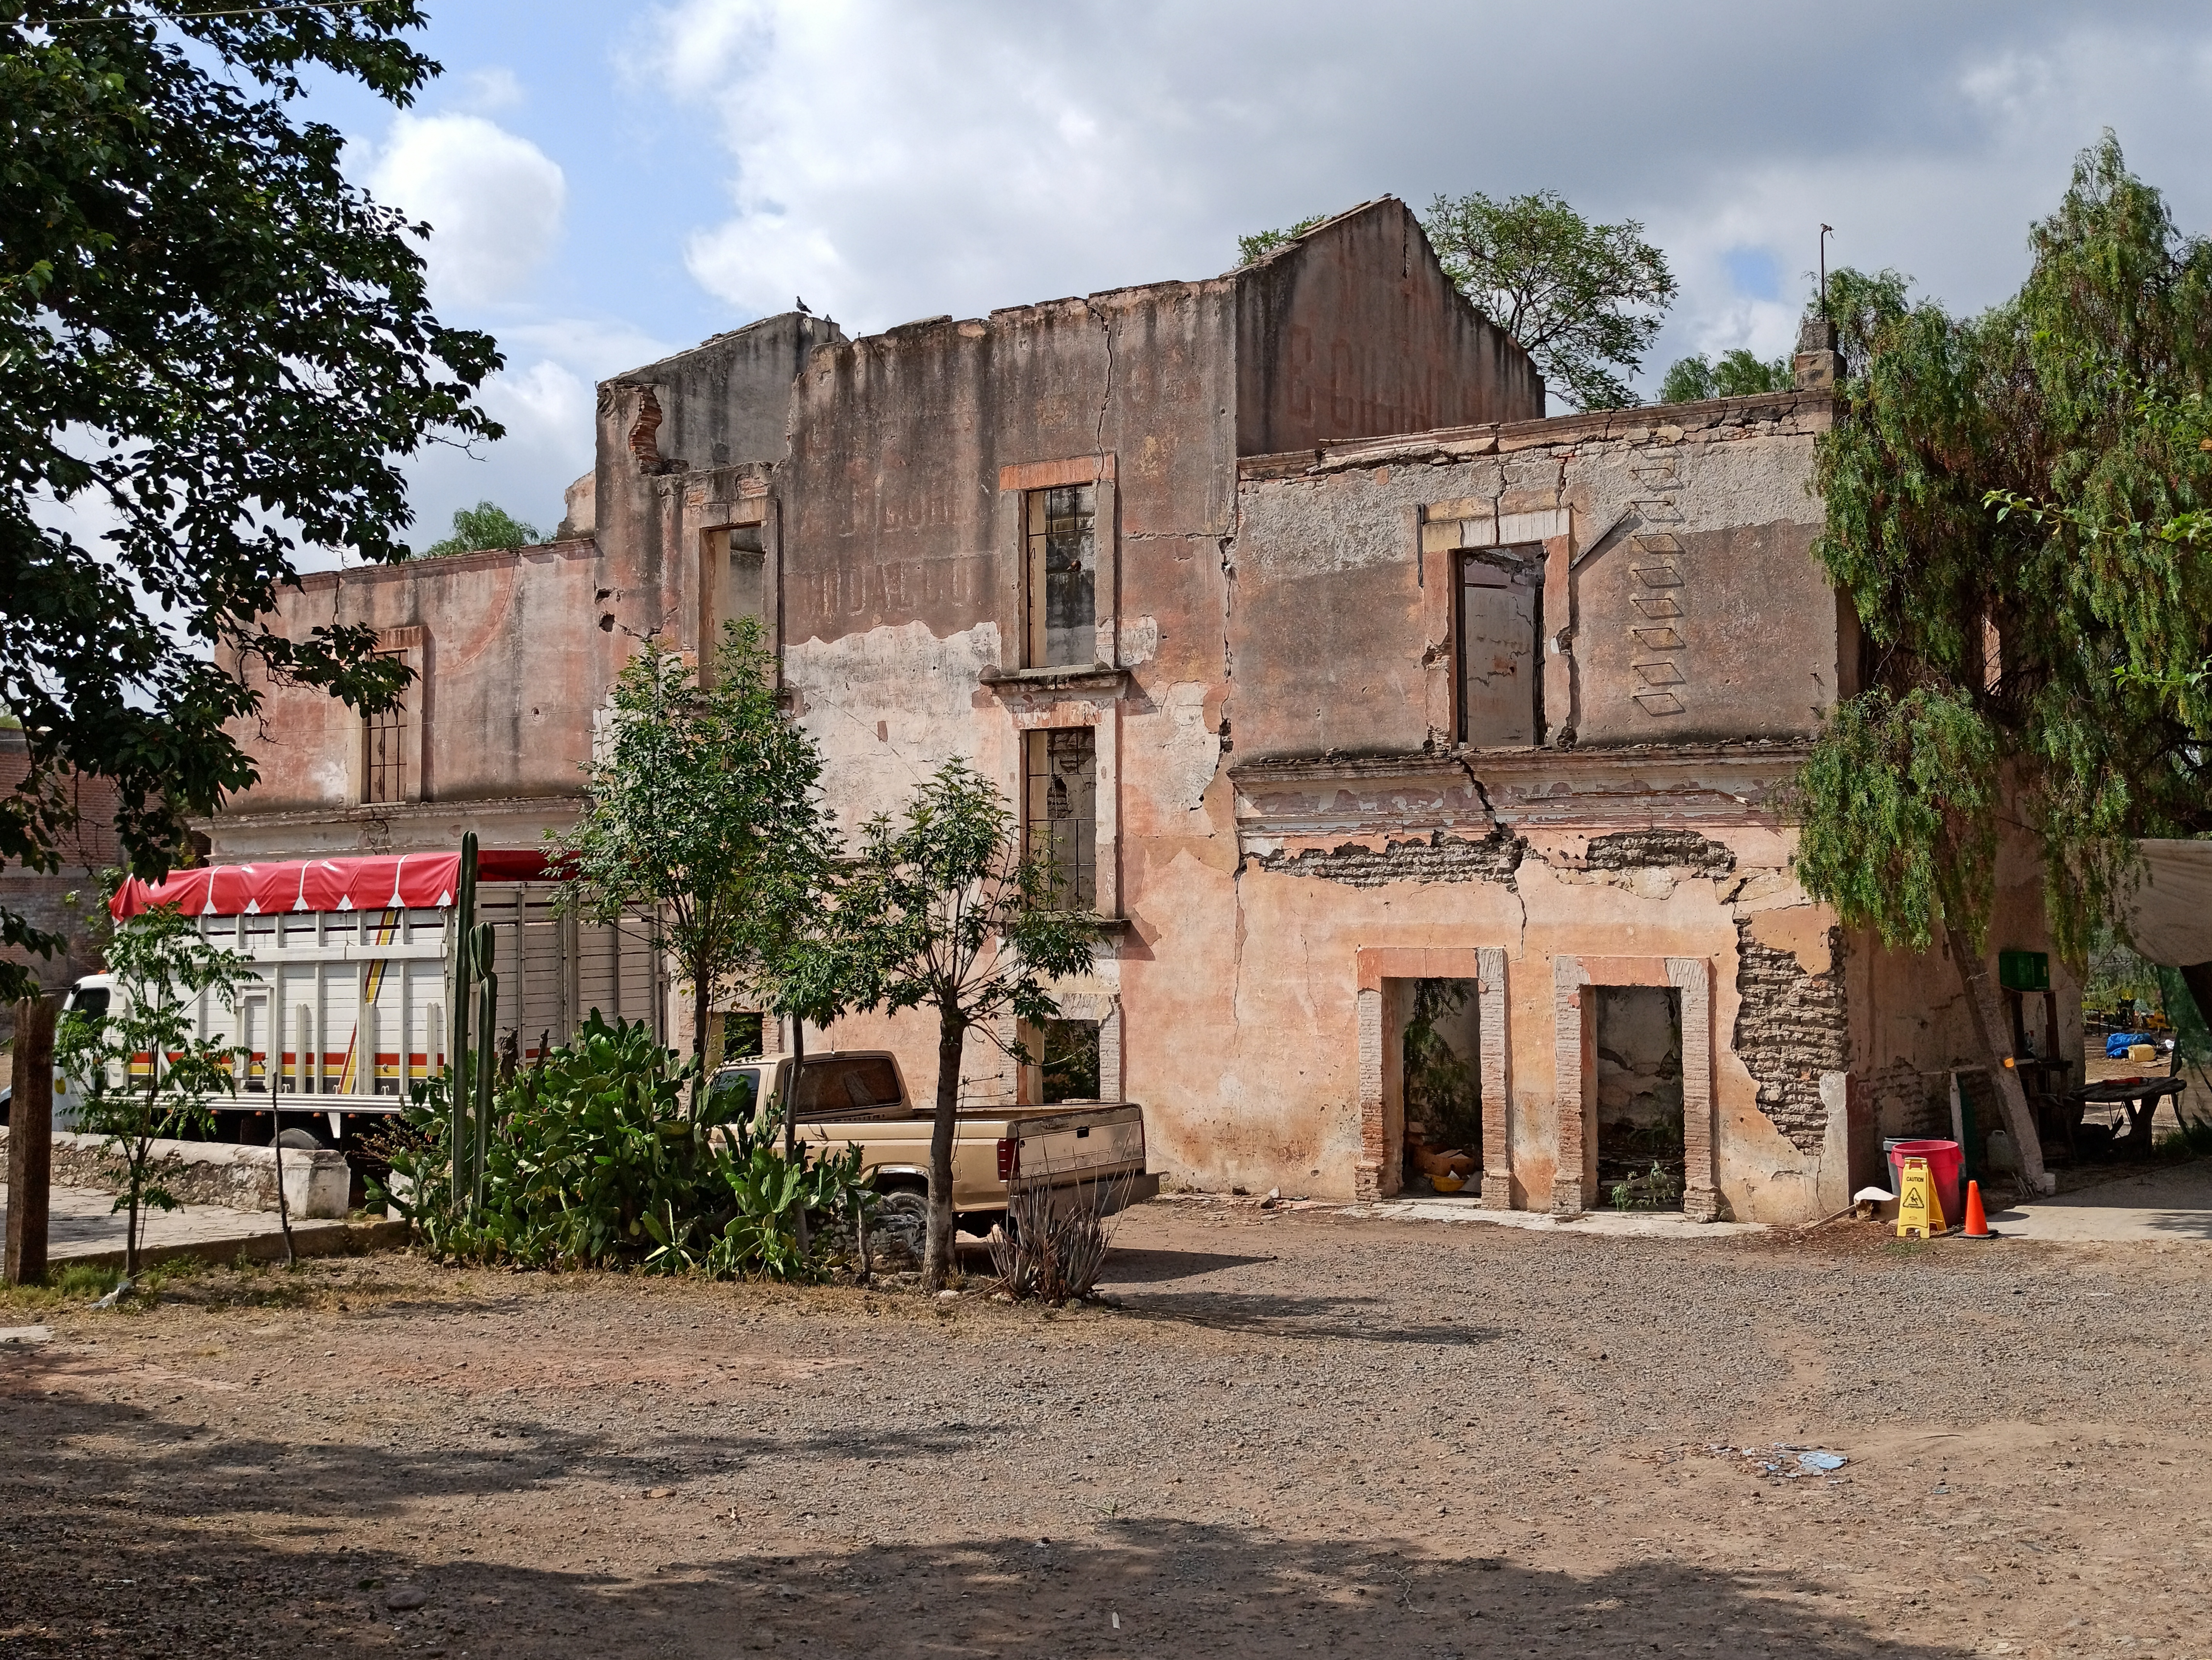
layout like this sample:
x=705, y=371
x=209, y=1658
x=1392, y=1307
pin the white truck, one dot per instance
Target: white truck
x=351, y=959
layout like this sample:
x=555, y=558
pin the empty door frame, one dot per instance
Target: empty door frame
x=1575, y=1071
x=1382, y=1128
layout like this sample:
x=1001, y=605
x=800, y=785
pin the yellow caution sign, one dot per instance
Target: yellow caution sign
x=1919, y=1212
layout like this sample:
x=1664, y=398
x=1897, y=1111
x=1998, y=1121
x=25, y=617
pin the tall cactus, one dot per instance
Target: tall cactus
x=487, y=1023
x=464, y=966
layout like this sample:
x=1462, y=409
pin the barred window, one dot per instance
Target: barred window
x=1059, y=809
x=387, y=737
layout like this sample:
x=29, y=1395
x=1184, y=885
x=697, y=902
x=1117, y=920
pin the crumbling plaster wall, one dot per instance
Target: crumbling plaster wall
x=673, y=434
x=1345, y=563
x=902, y=554
x=902, y=565
x=511, y=666
x=1595, y=892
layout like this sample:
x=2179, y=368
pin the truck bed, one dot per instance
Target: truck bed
x=995, y=1149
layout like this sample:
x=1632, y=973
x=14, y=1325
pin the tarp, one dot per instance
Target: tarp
x=412, y=881
x=2172, y=917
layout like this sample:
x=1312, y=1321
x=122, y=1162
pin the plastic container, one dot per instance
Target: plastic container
x=1943, y=1160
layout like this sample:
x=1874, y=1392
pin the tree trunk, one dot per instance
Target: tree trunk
x=1989, y=1028
x=30, y=1143
x=937, y=1251
x=791, y=1111
x=136, y=1174
x=699, y=1041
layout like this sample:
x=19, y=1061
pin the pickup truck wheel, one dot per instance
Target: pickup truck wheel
x=902, y=1224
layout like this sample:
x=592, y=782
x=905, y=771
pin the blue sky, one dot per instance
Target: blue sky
x=610, y=184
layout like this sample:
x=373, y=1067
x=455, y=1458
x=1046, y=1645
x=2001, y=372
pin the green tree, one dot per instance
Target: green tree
x=1584, y=301
x=1258, y=245
x=144, y=1069
x=1737, y=375
x=487, y=524
x=942, y=911
x=2012, y=508
x=212, y=340
x=702, y=805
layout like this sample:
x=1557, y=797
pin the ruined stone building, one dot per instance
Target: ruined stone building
x=1420, y=753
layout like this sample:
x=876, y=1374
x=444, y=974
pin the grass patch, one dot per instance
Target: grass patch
x=91, y=1281
x=2192, y=1140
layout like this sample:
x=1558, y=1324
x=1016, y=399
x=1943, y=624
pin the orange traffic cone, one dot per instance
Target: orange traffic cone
x=1978, y=1223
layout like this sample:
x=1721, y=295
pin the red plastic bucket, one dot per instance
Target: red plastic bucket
x=1943, y=1161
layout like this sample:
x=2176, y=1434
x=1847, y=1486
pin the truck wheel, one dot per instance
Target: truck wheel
x=902, y=1224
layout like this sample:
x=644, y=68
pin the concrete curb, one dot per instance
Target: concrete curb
x=308, y=1239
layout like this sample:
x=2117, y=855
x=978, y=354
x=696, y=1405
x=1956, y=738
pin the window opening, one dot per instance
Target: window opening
x=741, y=1034
x=1060, y=550
x=744, y=583
x=1061, y=810
x=1640, y=1163
x=1501, y=618
x=1441, y=1053
x=1068, y=1056
x=385, y=735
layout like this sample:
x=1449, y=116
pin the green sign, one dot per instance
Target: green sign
x=2024, y=971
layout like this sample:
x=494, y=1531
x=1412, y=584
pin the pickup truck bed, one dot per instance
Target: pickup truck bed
x=860, y=1098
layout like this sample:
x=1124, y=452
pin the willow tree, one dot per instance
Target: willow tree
x=2016, y=506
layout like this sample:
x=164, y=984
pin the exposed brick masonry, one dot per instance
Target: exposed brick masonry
x=1790, y=1029
x=1438, y=859
x=1638, y=849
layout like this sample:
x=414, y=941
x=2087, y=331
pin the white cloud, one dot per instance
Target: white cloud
x=486, y=90
x=494, y=201
x=887, y=160
x=545, y=399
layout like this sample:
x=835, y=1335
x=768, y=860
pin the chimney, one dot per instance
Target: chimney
x=1818, y=366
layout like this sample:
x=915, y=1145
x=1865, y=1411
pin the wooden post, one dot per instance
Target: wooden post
x=30, y=1142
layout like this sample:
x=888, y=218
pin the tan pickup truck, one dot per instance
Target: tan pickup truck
x=859, y=1096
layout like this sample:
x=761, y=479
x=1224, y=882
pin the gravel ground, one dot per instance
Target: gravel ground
x=1297, y=1432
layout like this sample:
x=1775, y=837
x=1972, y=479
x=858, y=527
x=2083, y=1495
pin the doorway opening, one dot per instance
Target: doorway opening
x=1440, y=1062
x=1640, y=1161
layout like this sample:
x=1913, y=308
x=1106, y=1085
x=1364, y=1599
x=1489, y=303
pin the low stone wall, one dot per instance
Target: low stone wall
x=317, y=1183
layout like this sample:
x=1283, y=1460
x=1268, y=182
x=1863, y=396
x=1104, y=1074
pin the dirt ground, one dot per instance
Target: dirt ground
x=1297, y=1433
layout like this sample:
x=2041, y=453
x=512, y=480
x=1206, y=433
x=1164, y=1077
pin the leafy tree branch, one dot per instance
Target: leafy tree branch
x=214, y=341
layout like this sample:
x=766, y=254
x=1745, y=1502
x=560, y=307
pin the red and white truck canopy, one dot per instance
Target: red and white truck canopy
x=405, y=881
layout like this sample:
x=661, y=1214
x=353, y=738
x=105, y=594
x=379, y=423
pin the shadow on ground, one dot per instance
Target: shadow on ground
x=121, y=1537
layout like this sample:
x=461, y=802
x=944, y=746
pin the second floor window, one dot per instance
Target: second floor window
x=387, y=761
x=1059, y=556
x=1501, y=599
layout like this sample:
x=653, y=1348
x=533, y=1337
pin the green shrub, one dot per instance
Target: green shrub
x=594, y=1162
